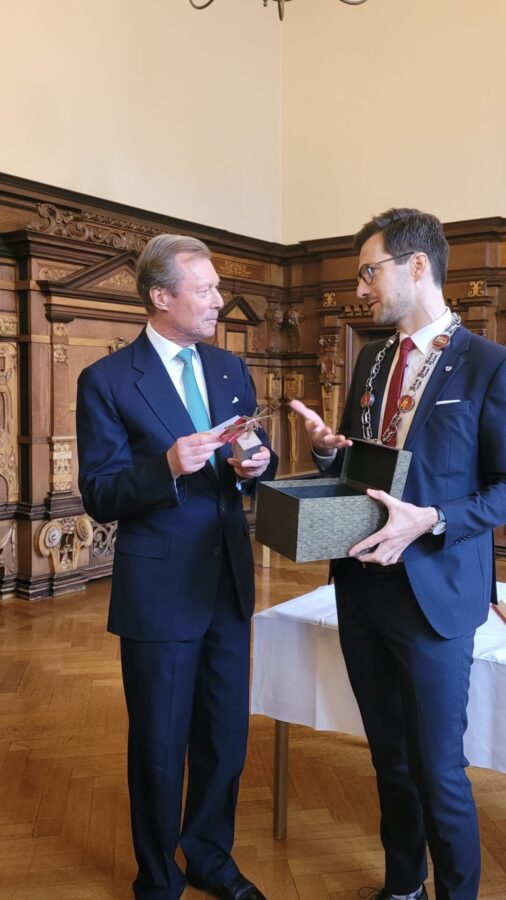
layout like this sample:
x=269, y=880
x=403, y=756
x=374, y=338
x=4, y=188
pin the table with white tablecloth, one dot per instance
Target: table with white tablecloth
x=299, y=677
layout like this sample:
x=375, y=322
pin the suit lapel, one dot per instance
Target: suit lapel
x=156, y=387
x=449, y=363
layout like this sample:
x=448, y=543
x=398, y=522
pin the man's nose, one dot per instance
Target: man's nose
x=217, y=299
x=362, y=289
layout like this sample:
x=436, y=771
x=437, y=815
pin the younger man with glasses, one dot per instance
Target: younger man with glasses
x=411, y=596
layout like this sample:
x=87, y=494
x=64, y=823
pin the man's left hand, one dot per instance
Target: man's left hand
x=405, y=524
x=253, y=467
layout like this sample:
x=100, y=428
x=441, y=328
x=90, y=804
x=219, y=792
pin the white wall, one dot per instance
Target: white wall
x=393, y=103
x=229, y=118
x=147, y=103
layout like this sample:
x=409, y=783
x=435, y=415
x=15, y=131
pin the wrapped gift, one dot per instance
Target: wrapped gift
x=308, y=519
x=240, y=432
x=246, y=445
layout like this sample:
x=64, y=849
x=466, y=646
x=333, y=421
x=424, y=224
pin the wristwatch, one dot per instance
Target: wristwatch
x=439, y=527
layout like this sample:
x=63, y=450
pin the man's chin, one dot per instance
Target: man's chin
x=382, y=317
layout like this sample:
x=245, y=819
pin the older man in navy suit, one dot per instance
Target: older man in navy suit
x=410, y=597
x=183, y=587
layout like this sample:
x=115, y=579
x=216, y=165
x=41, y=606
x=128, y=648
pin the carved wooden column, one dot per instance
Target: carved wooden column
x=293, y=389
x=330, y=378
x=9, y=482
x=9, y=465
x=273, y=392
x=331, y=357
x=62, y=439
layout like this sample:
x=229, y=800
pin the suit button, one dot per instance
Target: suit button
x=222, y=507
x=217, y=551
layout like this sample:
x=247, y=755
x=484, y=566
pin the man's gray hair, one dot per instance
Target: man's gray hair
x=157, y=265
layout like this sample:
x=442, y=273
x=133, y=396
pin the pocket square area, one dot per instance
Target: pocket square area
x=443, y=402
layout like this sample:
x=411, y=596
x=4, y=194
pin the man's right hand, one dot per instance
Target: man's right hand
x=322, y=438
x=190, y=453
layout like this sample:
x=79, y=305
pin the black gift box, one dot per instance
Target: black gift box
x=322, y=518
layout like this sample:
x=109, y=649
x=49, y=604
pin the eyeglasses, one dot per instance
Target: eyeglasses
x=367, y=272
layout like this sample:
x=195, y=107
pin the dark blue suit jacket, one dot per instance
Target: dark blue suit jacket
x=458, y=463
x=169, y=544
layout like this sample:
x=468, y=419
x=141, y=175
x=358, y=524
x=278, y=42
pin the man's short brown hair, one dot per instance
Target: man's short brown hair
x=406, y=230
x=157, y=265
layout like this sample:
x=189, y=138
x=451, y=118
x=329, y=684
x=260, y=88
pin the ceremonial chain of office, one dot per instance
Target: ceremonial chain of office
x=407, y=400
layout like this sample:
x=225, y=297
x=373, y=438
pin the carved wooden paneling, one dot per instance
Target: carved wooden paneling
x=9, y=401
x=67, y=297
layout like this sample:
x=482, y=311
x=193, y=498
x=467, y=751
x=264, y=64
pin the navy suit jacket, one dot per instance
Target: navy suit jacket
x=459, y=464
x=169, y=545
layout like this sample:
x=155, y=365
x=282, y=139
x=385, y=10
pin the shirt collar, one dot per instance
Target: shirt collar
x=165, y=348
x=424, y=336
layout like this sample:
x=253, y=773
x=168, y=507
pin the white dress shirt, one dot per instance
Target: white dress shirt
x=423, y=340
x=167, y=351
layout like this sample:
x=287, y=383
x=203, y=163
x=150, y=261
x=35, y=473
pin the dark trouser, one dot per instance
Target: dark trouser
x=412, y=688
x=187, y=697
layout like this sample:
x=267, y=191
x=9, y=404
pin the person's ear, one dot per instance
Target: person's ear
x=419, y=265
x=159, y=297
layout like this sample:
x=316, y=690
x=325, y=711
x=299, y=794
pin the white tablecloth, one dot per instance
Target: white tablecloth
x=299, y=675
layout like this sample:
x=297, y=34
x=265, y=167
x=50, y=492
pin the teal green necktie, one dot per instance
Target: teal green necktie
x=194, y=402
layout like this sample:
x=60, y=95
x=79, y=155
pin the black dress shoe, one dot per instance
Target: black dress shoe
x=237, y=889
x=374, y=894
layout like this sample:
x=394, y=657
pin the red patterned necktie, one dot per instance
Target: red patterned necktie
x=395, y=388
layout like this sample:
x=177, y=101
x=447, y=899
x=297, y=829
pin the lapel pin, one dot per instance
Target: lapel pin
x=235, y=400
x=448, y=368
x=226, y=377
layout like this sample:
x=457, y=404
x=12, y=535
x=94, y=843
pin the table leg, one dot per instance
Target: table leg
x=280, y=779
x=266, y=557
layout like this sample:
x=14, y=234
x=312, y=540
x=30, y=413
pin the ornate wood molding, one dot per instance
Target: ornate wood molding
x=8, y=545
x=56, y=273
x=235, y=268
x=8, y=324
x=117, y=344
x=60, y=457
x=104, y=540
x=83, y=225
x=121, y=281
x=62, y=541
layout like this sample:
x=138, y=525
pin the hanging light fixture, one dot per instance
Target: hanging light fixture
x=281, y=4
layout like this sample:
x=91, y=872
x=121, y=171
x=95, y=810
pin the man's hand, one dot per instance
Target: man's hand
x=322, y=438
x=253, y=467
x=405, y=524
x=189, y=454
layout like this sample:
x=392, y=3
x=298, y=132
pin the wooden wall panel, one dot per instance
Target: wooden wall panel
x=67, y=297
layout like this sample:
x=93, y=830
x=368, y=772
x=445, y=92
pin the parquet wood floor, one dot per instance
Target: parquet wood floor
x=64, y=821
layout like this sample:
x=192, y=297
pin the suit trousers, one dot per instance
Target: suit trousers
x=187, y=699
x=412, y=689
